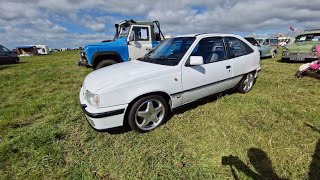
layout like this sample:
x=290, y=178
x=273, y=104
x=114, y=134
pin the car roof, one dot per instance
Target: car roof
x=310, y=32
x=200, y=35
x=266, y=38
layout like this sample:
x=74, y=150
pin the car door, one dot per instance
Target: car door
x=242, y=58
x=10, y=55
x=139, y=41
x=211, y=77
x=4, y=58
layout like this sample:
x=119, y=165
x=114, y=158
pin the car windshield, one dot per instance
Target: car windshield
x=169, y=52
x=260, y=41
x=252, y=41
x=124, y=31
x=308, y=37
x=266, y=42
x=274, y=41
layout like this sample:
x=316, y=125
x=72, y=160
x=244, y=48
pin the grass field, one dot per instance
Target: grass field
x=272, y=132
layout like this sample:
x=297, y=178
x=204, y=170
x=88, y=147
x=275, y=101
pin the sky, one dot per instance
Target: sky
x=74, y=23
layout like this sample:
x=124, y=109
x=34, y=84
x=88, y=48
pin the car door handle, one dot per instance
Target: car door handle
x=228, y=67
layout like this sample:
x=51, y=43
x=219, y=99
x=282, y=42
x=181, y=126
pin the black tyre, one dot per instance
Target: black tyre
x=148, y=113
x=246, y=83
x=16, y=61
x=105, y=63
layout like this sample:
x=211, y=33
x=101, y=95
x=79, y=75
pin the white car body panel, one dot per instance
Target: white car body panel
x=118, y=85
x=206, y=76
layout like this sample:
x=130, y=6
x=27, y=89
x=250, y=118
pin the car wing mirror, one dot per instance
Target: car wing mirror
x=195, y=61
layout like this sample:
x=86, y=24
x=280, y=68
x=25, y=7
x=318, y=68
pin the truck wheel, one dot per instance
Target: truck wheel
x=273, y=54
x=105, y=63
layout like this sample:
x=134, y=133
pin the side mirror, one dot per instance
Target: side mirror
x=195, y=61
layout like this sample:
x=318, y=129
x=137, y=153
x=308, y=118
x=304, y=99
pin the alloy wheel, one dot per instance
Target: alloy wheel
x=149, y=114
x=248, y=82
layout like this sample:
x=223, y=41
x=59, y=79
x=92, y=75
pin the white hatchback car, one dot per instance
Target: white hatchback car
x=178, y=71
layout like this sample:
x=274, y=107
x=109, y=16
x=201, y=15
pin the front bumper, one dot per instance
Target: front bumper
x=299, y=57
x=83, y=59
x=103, y=118
x=265, y=55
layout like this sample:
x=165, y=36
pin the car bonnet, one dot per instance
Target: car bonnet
x=122, y=73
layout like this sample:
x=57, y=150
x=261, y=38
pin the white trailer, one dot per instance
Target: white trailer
x=42, y=49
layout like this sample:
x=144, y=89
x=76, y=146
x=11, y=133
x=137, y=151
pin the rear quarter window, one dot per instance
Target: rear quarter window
x=237, y=47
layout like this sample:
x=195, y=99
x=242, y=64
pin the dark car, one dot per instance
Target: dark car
x=7, y=56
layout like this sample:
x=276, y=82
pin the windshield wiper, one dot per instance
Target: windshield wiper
x=145, y=58
x=165, y=58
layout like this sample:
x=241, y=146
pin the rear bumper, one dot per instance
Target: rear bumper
x=257, y=72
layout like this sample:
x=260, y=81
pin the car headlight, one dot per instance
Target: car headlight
x=93, y=99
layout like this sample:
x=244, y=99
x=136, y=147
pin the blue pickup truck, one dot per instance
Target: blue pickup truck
x=131, y=41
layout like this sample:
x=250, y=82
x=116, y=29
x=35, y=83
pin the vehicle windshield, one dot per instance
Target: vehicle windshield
x=308, y=37
x=260, y=41
x=252, y=41
x=124, y=31
x=266, y=42
x=169, y=52
x=273, y=41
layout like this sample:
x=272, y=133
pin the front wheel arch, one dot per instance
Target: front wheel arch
x=100, y=56
x=163, y=94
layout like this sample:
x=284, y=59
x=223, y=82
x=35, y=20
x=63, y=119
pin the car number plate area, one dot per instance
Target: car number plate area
x=296, y=58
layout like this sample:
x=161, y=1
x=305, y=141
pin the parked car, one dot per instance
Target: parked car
x=7, y=56
x=268, y=47
x=284, y=41
x=303, y=48
x=177, y=72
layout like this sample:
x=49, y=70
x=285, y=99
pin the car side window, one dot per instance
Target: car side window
x=2, y=50
x=140, y=33
x=316, y=38
x=273, y=42
x=237, y=47
x=211, y=49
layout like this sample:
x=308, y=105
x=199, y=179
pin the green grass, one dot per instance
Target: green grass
x=44, y=135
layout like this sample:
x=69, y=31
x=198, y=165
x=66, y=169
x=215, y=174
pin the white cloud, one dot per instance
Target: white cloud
x=47, y=21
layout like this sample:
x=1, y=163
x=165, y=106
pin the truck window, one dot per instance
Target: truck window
x=140, y=33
